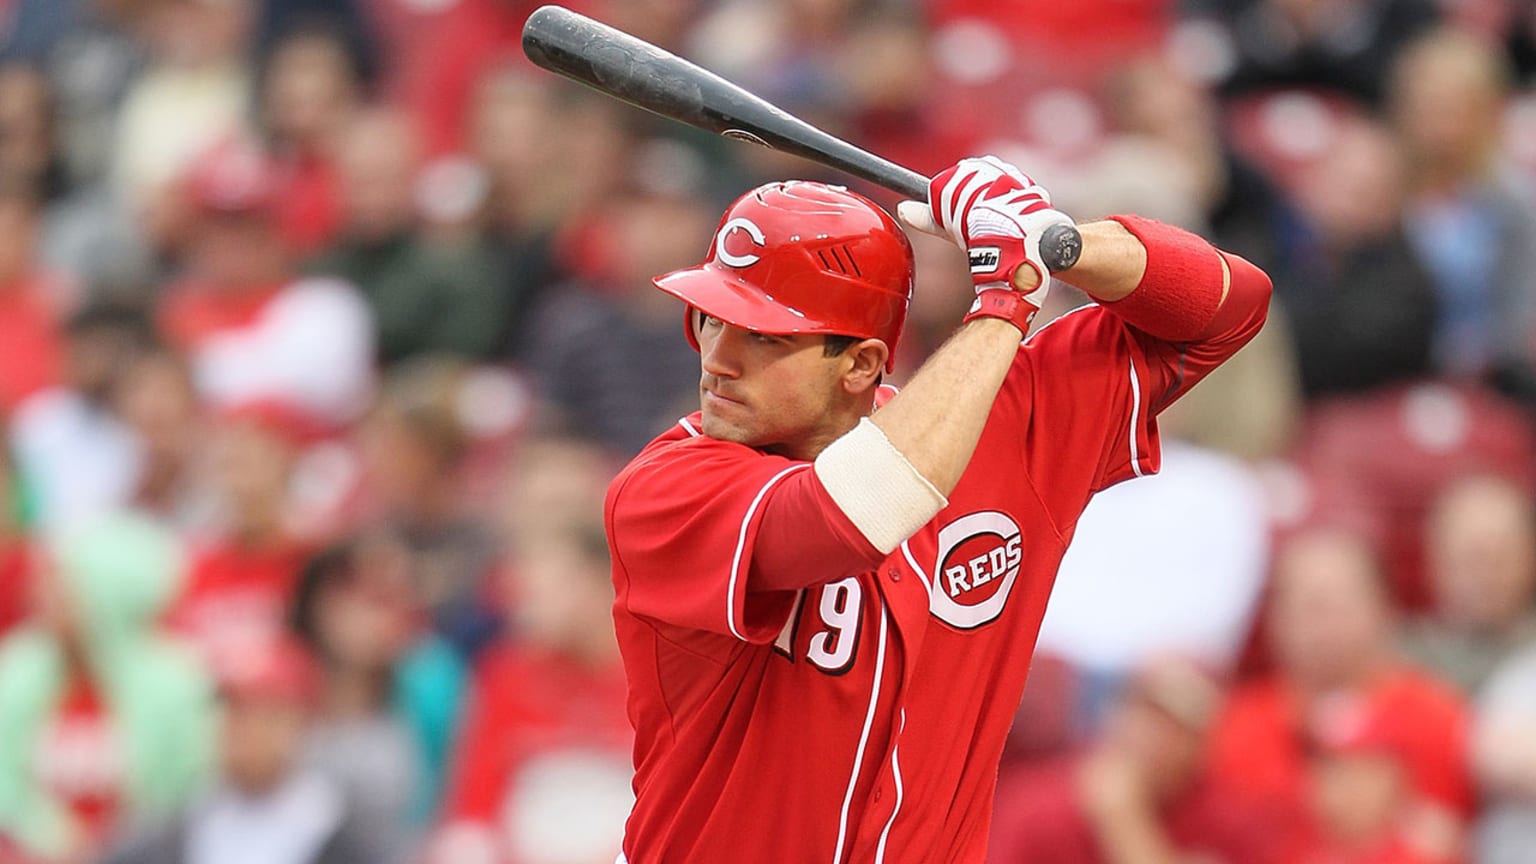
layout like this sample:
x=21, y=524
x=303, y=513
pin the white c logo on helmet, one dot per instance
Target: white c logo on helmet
x=747, y=225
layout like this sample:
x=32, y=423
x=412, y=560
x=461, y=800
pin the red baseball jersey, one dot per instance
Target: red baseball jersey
x=861, y=719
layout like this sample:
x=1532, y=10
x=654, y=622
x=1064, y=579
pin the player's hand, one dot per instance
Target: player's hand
x=997, y=214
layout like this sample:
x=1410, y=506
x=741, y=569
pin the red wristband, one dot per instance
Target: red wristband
x=1180, y=291
x=1003, y=303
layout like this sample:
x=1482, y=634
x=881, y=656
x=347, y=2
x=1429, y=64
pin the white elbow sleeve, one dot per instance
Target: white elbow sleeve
x=876, y=487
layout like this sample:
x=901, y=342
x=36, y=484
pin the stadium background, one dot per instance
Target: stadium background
x=323, y=324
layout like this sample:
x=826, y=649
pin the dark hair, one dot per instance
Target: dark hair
x=123, y=316
x=836, y=345
x=331, y=566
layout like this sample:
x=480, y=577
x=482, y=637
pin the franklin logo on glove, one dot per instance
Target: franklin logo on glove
x=984, y=259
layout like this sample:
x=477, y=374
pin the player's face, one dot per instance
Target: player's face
x=777, y=393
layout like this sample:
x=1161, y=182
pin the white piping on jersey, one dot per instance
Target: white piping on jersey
x=858, y=757
x=907, y=553
x=1051, y=323
x=1135, y=418
x=896, y=769
x=692, y=432
x=621, y=859
x=741, y=544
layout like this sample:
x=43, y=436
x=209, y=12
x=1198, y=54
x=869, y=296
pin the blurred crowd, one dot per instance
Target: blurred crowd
x=324, y=324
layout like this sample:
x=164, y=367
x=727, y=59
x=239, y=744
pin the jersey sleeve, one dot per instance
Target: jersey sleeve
x=713, y=536
x=1088, y=387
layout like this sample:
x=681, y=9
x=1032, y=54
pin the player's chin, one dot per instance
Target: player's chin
x=725, y=429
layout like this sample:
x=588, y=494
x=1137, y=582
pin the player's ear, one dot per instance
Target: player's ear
x=866, y=364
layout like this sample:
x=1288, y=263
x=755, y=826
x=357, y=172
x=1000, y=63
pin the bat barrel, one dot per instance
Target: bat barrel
x=647, y=77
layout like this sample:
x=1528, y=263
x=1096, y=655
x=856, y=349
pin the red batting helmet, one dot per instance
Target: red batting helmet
x=802, y=257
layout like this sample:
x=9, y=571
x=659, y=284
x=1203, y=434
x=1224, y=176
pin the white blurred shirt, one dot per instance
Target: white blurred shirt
x=1171, y=563
x=81, y=460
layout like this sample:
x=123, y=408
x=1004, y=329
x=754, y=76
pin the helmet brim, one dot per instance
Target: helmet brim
x=721, y=293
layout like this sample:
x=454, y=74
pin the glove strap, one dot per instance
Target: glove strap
x=1003, y=303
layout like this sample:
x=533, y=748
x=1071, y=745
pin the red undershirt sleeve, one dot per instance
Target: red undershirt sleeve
x=711, y=536
x=805, y=539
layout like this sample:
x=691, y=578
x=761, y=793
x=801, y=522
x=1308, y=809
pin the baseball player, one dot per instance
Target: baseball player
x=827, y=593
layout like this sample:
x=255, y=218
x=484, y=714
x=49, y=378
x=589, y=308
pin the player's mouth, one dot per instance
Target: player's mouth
x=714, y=397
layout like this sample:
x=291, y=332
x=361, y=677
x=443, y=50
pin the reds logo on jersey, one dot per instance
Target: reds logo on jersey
x=978, y=562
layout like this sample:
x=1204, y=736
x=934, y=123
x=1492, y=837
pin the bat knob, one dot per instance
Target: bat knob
x=1059, y=247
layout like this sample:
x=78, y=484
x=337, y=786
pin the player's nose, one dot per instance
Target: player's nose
x=720, y=351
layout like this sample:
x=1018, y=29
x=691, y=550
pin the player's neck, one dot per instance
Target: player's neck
x=836, y=425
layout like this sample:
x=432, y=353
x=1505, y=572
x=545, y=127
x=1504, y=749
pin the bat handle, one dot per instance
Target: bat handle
x=1060, y=245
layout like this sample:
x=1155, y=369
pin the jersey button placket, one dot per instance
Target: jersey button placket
x=894, y=573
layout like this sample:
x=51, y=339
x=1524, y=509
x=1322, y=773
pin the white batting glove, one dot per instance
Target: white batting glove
x=997, y=214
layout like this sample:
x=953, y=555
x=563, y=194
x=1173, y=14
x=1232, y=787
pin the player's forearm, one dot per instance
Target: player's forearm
x=937, y=418
x=1111, y=264
x=1169, y=283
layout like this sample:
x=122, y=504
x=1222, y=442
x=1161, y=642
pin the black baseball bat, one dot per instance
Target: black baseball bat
x=631, y=69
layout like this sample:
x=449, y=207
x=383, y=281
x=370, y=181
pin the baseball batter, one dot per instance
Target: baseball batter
x=828, y=593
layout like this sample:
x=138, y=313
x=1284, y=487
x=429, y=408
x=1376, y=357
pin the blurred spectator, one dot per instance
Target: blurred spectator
x=1481, y=556
x=102, y=720
x=1139, y=792
x=444, y=297
x=578, y=169
x=1085, y=37
x=1378, y=462
x=522, y=206
x=253, y=330
x=1361, y=308
x=785, y=51
x=1343, y=45
x=414, y=447
x=1181, y=553
x=310, y=89
x=351, y=21
x=390, y=691
x=193, y=94
x=1331, y=632
x=29, y=156
x=542, y=771
x=1470, y=216
x=607, y=357
x=887, y=78
x=158, y=402
x=553, y=483
x=1504, y=756
x=466, y=42
x=32, y=302
x=265, y=808
x=91, y=61
x=508, y=112
x=1239, y=207
x=71, y=447
x=1363, y=807
x=244, y=576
